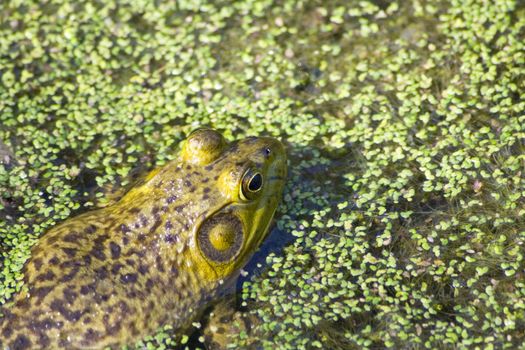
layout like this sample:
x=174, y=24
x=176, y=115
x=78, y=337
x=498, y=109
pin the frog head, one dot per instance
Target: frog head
x=240, y=187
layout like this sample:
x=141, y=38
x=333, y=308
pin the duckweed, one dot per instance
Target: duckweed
x=405, y=128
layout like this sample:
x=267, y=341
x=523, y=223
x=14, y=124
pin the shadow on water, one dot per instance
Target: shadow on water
x=276, y=241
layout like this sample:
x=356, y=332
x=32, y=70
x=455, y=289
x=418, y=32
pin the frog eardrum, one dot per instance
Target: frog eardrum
x=221, y=237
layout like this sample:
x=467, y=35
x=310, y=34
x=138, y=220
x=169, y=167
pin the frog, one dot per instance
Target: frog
x=158, y=256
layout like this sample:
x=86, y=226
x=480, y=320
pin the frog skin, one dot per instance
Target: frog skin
x=109, y=277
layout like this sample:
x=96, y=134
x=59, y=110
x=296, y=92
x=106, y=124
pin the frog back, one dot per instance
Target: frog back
x=98, y=280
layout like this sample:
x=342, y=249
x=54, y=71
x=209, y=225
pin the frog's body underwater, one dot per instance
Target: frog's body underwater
x=114, y=275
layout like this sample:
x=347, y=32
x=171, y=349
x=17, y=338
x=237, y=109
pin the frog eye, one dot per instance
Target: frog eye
x=252, y=183
x=220, y=237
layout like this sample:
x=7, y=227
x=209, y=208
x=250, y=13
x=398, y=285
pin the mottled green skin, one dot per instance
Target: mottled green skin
x=114, y=275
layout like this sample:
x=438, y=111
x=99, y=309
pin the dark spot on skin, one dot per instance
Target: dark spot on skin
x=123, y=307
x=205, y=197
x=174, y=271
x=90, y=229
x=58, y=306
x=130, y=262
x=21, y=342
x=115, y=250
x=7, y=331
x=143, y=220
x=155, y=210
x=101, y=239
x=87, y=288
x=98, y=253
x=101, y=273
x=168, y=225
x=187, y=183
x=208, y=167
x=101, y=298
x=132, y=294
x=192, y=189
x=68, y=277
x=70, y=252
x=234, y=148
x=41, y=292
x=37, y=263
x=70, y=295
x=129, y=278
x=216, y=177
x=134, y=252
x=54, y=261
x=160, y=264
x=206, y=190
x=125, y=240
x=72, y=237
x=133, y=328
x=87, y=320
x=36, y=314
x=169, y=238
x=70, y=263
x=205, y=180
x=87, y=259
x=116, y=268
x=90, y=335
x=149, y=283
x=112, y=330
x=179, y=208
x=74, y=316
x=48, y=276
x=171, y=199
x=47, y=323
x=8, y=315
x=124, y=228
x=141, y=237
x=143, y=269
x=23, y=304
x=134, y=210
x=156, y=224
x=43, y=340
x=52, y=239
